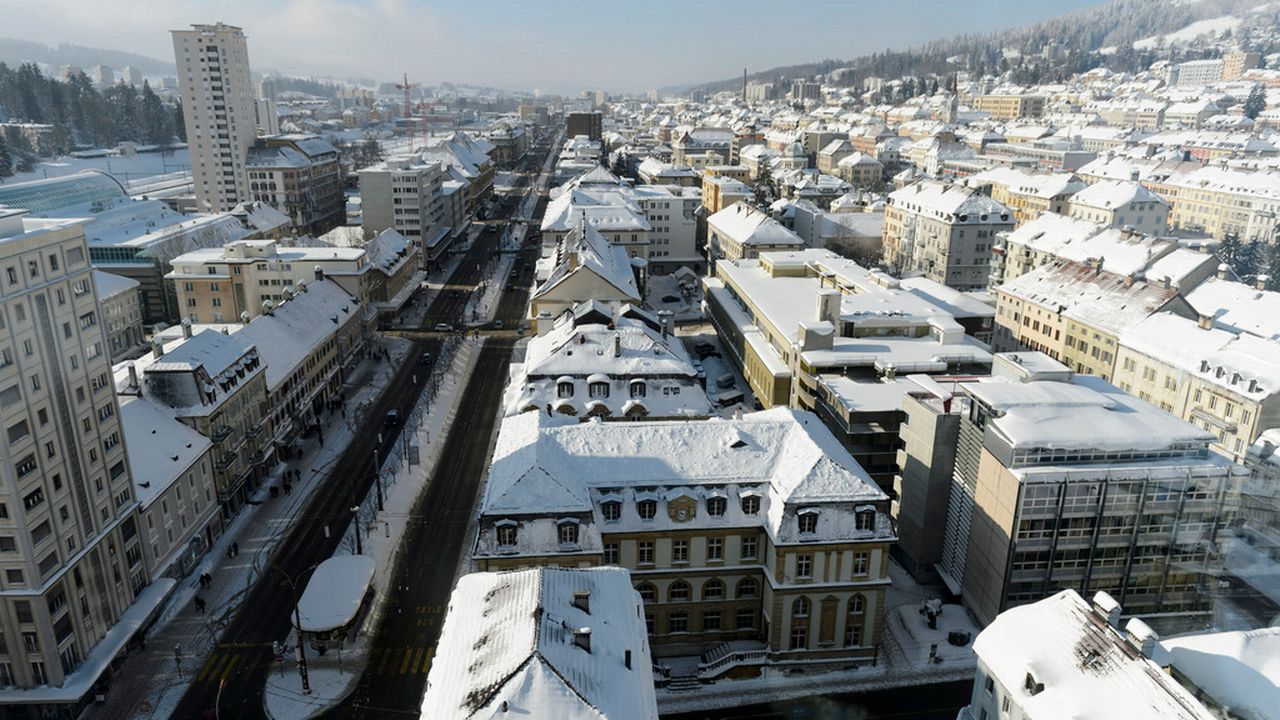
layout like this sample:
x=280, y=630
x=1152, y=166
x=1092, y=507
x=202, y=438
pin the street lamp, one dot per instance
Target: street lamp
x=297, y=621
x=355, y=516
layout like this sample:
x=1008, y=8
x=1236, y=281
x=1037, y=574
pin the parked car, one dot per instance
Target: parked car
x=391, y=419
x=725, y=381
x=425, y=359
x=443, y=327
x=703, y=348
x=730, y=397
x=670, y=299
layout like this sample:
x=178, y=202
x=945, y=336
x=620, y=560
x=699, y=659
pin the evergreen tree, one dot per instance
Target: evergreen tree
x=6, y=162
x=766, y=188
x=179, y=122
x=1255, y=103
x=155, y=129
x=1230, y=250
x=1273, y=265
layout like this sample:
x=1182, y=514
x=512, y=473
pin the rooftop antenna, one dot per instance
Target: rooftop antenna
x=406, y=86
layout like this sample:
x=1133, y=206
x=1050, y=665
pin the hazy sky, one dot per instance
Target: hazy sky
x=554, y=45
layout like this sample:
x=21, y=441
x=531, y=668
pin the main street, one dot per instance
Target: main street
x=928, y=702
x=434, y=537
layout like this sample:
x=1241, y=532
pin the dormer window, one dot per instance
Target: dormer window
x=637, y=389
x=808, y=522
x=506, y=533
x=611, y=510
x=750, y=504
x=716, y=506
x=648, y=509
x=564, y=389
x=567, y=532
x=865, y=518
x=598, y=390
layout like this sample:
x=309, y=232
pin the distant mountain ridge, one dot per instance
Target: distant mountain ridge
x=1117, y=24
x=14, y=52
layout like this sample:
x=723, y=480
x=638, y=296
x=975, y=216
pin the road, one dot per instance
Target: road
x=244, y=656
x=932, y=702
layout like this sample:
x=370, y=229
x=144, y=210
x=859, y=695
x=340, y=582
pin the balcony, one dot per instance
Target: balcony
x=220, y=434
x=225, y=461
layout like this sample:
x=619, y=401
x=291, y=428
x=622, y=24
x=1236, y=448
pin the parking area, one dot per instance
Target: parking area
x=726, y=387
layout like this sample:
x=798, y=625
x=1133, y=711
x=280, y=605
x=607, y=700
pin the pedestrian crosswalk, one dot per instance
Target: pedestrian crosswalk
x=406, y=660
x=220, y=666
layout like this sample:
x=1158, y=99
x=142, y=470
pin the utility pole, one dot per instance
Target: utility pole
x=377, y=479
x=302, y=645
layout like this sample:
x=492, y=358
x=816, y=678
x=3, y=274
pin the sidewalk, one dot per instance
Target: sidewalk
x=151, y=678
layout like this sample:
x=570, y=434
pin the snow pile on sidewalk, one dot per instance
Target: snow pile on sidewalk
x=480, y=309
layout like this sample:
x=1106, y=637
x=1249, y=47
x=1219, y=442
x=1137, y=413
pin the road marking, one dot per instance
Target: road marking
x=388, y=663
x=208, y=665
x=417, y=659
x=227, y=672
x=426, y=661
x=404, y=664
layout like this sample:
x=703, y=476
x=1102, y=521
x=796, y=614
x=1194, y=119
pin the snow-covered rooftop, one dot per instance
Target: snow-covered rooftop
x=512, y=645
x=1238, y=307
x=745, y=224
x=335, y=591
x=1239, y=670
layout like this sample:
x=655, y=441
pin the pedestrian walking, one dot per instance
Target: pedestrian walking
x=200, y=604
x=235, y=549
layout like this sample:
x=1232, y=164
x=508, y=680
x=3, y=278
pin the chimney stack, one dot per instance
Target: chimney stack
x=1204, y=321
x=1141, y=637
x=319, y=271
x=582, y=638
x=1260, y=282
x=582, y=600
x=186, y=328
x=1107, y=608
x=617, y=344
x=133, y=378
x=157, y=348
x=1222, y=271
x=1133, y=175
x=667, y=320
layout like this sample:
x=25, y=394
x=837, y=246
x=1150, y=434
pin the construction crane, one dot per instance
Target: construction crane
x=406, y=86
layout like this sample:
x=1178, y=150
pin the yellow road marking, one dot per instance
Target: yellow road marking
x=426, y=661
x=404, y=664
x=227, y=672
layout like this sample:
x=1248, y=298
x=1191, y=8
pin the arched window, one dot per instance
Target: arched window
x=638, y=389
x=713, y=589
x=568, y=532
x=648, y=592
x=854, y=621
x=598, y=390
x=564, y=389
x=716, y=506
x=808, y=522
x=800, y=623
x=678, y=591
x=647, y=509
x=800, y=607
x=611, y=510
x=748, y=588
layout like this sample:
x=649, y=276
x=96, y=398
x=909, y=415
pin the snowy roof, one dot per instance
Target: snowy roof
x=950, y=202
x=508, y=647
x=1083, y=667
x=287, y=337
x=334, y=592
x=593, y=254
x=541, y=465
x=1087, y=413
x=109, y=285
x=160, y=447
x=1238, y=307
x=1041, y=185
x=1241, y=363
x=1239, y=670
x=1110, y=194
x=1099, y=298
x=747, y=225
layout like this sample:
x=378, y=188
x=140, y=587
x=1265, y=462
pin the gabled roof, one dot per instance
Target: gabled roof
x=747, y=225
x=596, y=255
x=508, y=644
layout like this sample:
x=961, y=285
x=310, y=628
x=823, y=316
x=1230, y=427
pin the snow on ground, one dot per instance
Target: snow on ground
x=126, y=169
x=916, y=640
x=714, y=368
x=332, y=677
x=150, y=677
x=1189, y=33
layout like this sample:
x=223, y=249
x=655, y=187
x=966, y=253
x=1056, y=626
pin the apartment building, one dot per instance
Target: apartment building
x=1223, y=202
x=121, y=301
x=224, y=284
x=744, y=231
x=1199, y=73
x=587, y=124
x=1064, y=481
x=1011, y=106
x=1028, y=194
x=1067, y=656
x=407, y=195
x=300, y=176
x=585, y=267
x=215, y=384
x=1122, y=204
x=724, y=540
x=218, y=110
x=1226, y=383
x=1234, y=64
x=70, y=548
x=860, y=170
x=944, y=232
x=606, y=361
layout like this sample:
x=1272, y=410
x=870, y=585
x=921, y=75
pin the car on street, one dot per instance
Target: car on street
x=670, y=299
x=443, y=327
x=391, y=419
x=703, y=349
x=424, y=359
x=725, y=381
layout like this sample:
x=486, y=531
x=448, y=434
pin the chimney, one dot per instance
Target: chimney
x=617, y=344
x=1107, y=608
x=244, y=317
x=582, y=600
x=1260, y=282
x=626, y=659
x=157, y=348
x=542, y=323
x=1128, y=280
x=667, y=320
x=133, y=377
x=1222, y=271
x=1141, y=637
x=319, y=271
x=1133, y=175
x=582, y=638
x=1204, y=321
x=186, y=328
x=267, y=307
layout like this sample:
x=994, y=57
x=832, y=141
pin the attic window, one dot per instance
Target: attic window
x=808, y=521
x=506, y=534
x=567, y=532
x=716, y=506
x=647, y=509
x=750, y=504
x=564, y=389
x=865, y=518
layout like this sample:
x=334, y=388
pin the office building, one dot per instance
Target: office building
x=300, y=176
x=586, y=124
